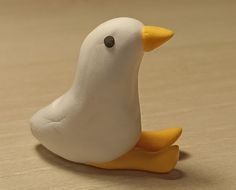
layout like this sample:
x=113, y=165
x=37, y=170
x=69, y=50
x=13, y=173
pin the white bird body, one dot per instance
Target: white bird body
x=97, y=121
x=98, y=118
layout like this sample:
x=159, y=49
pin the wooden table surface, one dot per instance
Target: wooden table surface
x=188, y=82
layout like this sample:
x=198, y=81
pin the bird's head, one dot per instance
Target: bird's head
x=115, y=48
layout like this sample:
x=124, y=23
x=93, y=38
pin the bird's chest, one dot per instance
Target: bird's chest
x=108, y=122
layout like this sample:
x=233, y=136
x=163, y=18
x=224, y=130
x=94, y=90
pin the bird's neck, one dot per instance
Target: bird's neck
x=96, y=85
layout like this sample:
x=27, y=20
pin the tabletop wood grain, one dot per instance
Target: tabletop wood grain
x=188, y=82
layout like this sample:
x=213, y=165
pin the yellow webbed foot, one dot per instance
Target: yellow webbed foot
x=156, y=140
x=138, y=159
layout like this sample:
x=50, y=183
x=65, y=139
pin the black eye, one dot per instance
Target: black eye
x=109, y=41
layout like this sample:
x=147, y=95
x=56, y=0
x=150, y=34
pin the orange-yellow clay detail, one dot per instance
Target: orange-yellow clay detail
x=153, y=37
x=162, y=161
x=153, y=153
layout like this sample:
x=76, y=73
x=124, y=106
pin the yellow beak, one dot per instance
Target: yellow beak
x=153, y=37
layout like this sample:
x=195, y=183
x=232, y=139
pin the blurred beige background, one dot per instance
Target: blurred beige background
x=188, y=82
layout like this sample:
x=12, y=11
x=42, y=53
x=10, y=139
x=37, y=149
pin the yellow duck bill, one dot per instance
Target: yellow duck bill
x=153, y=37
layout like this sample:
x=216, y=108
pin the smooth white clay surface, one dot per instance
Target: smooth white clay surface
x=98, y=118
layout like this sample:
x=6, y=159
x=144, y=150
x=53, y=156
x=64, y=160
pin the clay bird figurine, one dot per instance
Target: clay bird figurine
x=97, y=121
